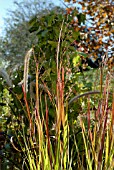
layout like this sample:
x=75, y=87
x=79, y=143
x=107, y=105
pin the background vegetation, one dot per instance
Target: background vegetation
x=56, y=89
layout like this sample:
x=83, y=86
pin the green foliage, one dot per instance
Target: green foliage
x=50, y=133
x=17, y=38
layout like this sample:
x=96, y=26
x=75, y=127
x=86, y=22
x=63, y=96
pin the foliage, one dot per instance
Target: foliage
x=50, y=132
x=97, y=31
x=17, y=39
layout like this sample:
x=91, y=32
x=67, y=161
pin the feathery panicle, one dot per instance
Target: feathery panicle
x=26, y=69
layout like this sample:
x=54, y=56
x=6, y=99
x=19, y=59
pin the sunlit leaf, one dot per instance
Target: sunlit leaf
x=53, y=44
x=76, y=59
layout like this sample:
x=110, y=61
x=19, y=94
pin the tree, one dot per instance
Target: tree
x=17, y=39
x=98, y=30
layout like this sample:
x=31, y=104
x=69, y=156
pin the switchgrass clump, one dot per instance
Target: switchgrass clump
x=98, y=139
x=46, y=147
x=49, y=147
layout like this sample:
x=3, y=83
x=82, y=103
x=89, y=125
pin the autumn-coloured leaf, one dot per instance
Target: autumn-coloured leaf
x=67, y=0
x=99, y=24
x=74, y=1
x=69, y=10
x=104, y=15
x=83, y=8
x=97, y=47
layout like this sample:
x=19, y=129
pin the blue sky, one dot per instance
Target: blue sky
x=4, y=5
x=8, y=4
